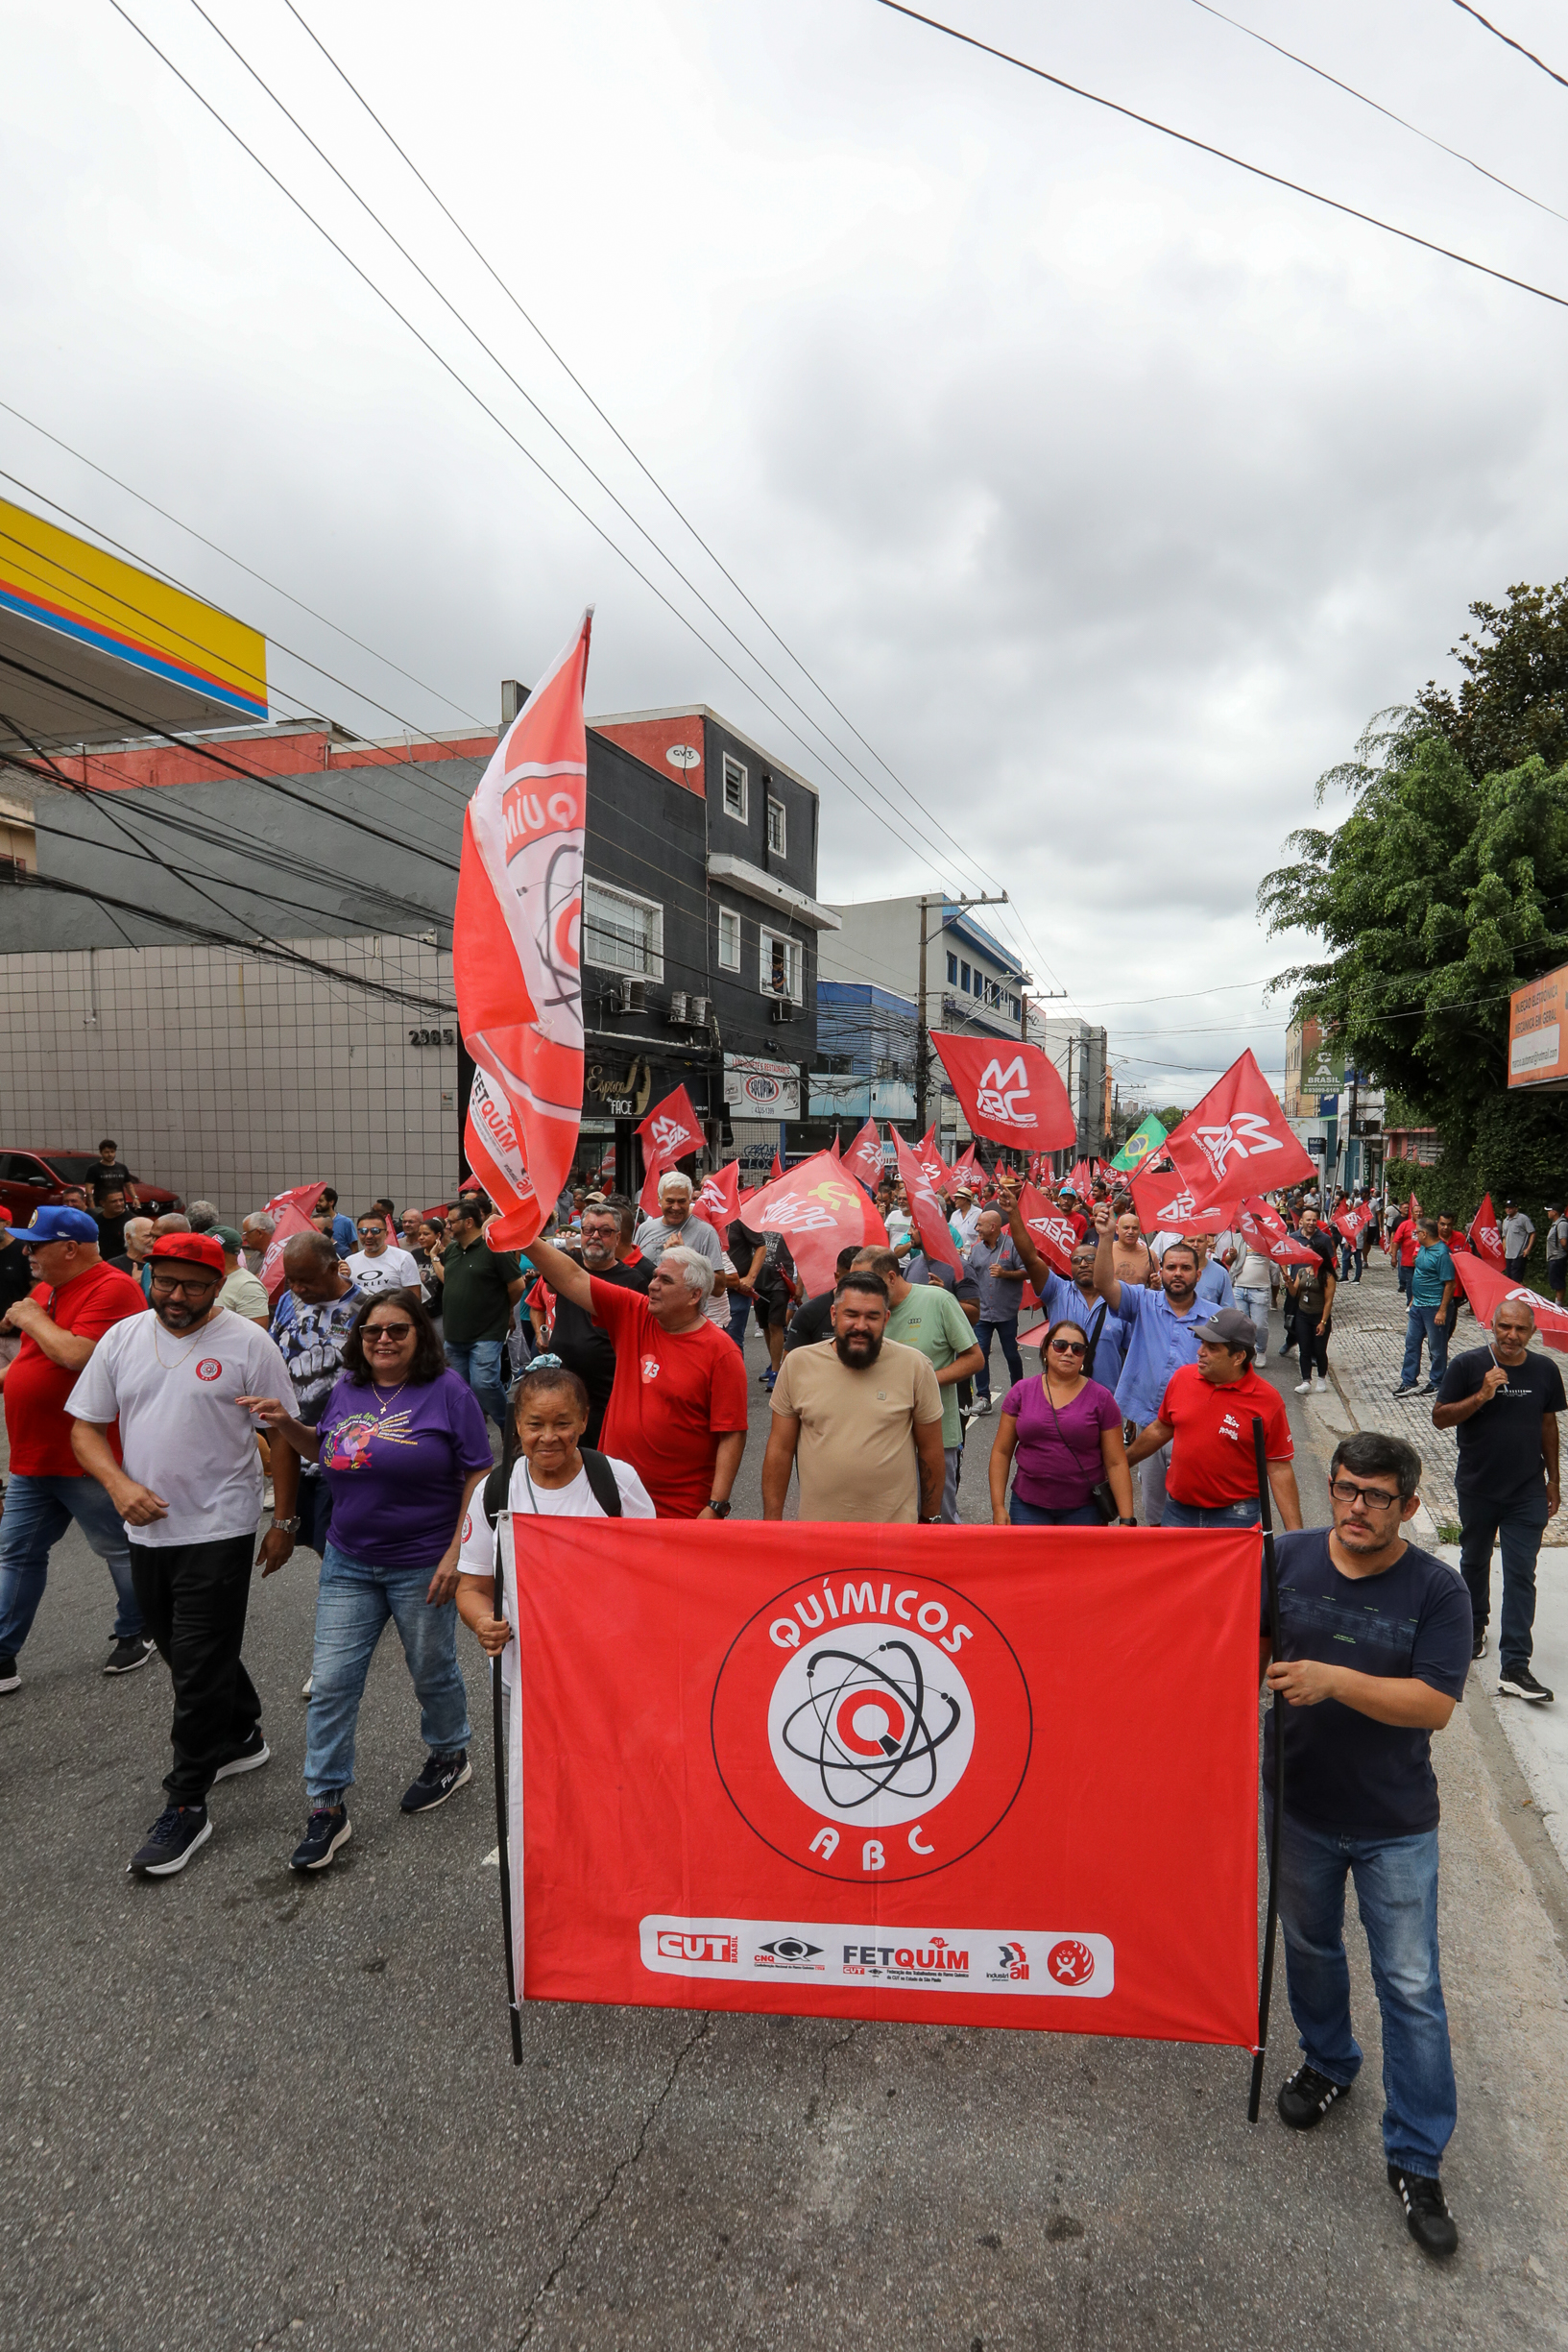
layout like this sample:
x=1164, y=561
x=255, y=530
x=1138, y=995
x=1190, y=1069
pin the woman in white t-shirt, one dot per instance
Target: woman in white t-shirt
x=548, y=1478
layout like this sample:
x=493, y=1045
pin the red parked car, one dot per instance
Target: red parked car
x=34, y=1179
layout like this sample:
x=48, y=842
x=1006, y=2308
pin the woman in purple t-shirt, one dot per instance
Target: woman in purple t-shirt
x=1066, y=1432
x=403, y=1445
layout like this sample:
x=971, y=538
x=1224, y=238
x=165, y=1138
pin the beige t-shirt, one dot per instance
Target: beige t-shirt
x=856, y=1456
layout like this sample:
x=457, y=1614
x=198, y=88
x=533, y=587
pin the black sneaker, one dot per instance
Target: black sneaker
x=1481, y=1644
x=171, y=1841
x=128, y=1654
x=1407, y=1388
x=10, y=1679
x=1518, y=1683
x=255, y=1752
x=1427, y=2217
x=327, y=1828
x=1307, y=2098
x=442, y=1773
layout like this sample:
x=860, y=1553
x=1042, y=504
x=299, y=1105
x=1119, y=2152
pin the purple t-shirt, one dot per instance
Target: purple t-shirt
x=398, y=1474
x=1059, y=1457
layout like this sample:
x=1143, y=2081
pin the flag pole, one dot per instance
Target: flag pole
x=1272, y=1909
x=499, y=1741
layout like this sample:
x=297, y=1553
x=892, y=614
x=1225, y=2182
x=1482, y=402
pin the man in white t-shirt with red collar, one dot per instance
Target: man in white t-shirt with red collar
x=189, y=1489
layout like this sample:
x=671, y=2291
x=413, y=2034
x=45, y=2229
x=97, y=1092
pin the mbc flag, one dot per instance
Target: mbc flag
x=517, y=952
x=1238, y=1141
x=865, y=1157
x=1009, y=1092
x=1166, y=1204
x=888, y=1786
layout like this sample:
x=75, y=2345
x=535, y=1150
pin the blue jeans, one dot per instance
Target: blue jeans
x=479, y=1362
x=1006, y=1331
x=1035, y=1514
x=36, y=1515
x=352, y=1606
x=1396, y=1892
x=740, y=1307
x=1254, y=1305
x=1245, y=1513
x=1520, y=1522
x=1420, y=1325
x=1407, y=1276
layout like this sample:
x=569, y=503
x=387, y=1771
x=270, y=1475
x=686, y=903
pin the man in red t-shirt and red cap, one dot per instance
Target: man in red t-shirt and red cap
x=1206, y=1418
x=73, y=1300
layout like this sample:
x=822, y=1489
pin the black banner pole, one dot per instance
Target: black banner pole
x=1272, y=1909
x=498, y=1733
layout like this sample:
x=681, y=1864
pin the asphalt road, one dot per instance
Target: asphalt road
x=244, y=2110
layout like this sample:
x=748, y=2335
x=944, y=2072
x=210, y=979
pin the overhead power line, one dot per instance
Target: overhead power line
x=1221, y=155
x=1499, y=34
x=1387, y=112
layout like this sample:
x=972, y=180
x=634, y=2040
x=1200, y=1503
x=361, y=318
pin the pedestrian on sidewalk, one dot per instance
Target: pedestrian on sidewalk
x=400, y=1483
x=1401, y=1245
x=72, y=1301
x=1361, y=1799
x=1205, y=1418
x=1518, y=1241
x=1431, y=1318
x=1557, y=1250
x=1503, y=1401
x=1311, y=1289
x=188, y=1490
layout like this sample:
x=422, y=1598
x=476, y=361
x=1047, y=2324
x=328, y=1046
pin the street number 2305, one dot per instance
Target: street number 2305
x=432, y=1036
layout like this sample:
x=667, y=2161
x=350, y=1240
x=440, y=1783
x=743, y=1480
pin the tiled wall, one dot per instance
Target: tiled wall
x=231, y=1076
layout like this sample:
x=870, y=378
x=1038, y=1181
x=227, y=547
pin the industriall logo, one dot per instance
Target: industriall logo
x=872, y=1728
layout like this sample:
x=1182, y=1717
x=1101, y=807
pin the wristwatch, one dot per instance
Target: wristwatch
x=288, y=1527
x=719, y=1509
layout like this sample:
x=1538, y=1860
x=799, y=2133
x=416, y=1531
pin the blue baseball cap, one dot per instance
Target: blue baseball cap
x=59, y=1224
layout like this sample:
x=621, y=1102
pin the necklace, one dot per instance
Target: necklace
x=178, y=1360
x=382, y=1402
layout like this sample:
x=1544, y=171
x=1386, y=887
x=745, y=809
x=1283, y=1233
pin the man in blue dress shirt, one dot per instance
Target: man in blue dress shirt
x=1159, y=1335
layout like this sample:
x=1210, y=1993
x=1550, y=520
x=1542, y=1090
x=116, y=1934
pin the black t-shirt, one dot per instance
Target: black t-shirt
x=811, y=1323
x=111, y=1232
x=1500, y=1447
x=15, y=1274
x=110, y=1179
x=587, y=1350
x=1342, y=1771
x=1309, y=1297
x=777, y=1272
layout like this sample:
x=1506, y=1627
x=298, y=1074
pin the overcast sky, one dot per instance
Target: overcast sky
x=1106, y=490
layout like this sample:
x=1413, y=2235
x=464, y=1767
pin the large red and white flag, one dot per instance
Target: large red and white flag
x=517, y=952
x=1009, y=1093
x=717, y=1201
x=290, y=1213
x=1238, y=1141
x=820, y=1210
x=1166, y=1204
x=1485, y=1235
x=869, y=1772
x=1487, y=1290
x=1052, y=1232
x=865, y=1157
x=925, y=1210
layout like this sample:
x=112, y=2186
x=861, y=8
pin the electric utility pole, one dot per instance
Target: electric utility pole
x=923, y=1046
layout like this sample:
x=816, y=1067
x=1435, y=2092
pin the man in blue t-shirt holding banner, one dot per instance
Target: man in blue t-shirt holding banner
x=1375, y=1642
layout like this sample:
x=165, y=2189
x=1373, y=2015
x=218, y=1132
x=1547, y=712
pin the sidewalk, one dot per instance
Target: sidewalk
x=1366, y=1353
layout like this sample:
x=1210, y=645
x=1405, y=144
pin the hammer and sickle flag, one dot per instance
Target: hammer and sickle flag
x=516, y=950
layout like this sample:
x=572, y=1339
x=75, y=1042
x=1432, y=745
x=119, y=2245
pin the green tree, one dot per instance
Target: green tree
x=1441, y=892
x=1514, y=700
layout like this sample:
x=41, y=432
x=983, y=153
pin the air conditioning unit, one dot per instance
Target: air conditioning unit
x=781, y=1010
x=629, y=996
x=700, y=1010
x=677, y=1005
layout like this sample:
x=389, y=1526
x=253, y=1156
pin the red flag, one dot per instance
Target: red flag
x=1485, y=1235
x=1347, y=1223
x=925, y=1209
x=1009, y=1093
x=517, y=952
x=1165, y=1204
x=967, y=1169
x=290, y=1212
x=864, y=1156
x=1054, y=1234
x=833, y=1148
x=1414, y=1209
x=671, y=1130
x=1487, y=1290
x=868, y=1771
x=1237, y=1141
x=717, y=1201
x=937, y=1174
x=820, y=1210
x=1267, y=1231
x=777, y=1169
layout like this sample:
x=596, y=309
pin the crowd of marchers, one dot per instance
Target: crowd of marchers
x=159, y=1398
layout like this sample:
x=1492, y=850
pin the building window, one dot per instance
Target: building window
x=776, y=837
x=780, y=966
x=952, y=971
x=622, y=933
x=963, y=978
x=735, y=789
x=729, y=940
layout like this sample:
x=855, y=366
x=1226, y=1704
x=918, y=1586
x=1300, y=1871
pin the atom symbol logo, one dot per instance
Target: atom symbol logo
x=863, y=1727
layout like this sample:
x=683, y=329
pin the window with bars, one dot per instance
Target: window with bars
x=622, y=933
x=776, y=838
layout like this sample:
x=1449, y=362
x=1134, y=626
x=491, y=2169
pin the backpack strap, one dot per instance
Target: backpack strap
x=601, y=1479
x=1095, y=1330
x=493, y=1494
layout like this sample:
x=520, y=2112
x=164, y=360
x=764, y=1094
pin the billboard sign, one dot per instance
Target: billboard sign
x=1537, y=1043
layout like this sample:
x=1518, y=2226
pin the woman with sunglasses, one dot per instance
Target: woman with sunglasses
x=403, y=1445
x=1066, y=1432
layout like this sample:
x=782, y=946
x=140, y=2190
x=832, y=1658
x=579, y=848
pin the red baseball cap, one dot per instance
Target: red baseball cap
x=194, y=1248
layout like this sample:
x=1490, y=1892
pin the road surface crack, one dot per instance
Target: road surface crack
x=622, y=2166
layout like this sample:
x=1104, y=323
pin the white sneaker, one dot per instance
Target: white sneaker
x=1304, y=1387
x=1260, y=1363
x=982, y=1404
x=1321, y=1388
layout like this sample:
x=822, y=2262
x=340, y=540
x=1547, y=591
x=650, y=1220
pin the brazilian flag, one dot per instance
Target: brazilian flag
x=1141, y=1144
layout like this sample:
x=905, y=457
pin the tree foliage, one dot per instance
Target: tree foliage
x=1514, y=700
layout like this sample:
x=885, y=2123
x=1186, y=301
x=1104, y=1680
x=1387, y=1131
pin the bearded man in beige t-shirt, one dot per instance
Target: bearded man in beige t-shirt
x=860, y=1418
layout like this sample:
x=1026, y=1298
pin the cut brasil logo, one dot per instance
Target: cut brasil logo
x=852, y=1740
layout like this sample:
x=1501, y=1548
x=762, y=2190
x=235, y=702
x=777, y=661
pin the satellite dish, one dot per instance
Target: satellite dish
x=684, y=755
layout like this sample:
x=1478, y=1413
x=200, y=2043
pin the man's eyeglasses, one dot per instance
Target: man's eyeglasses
x=168, y=1284
x=386, y=1331
x=1067, y=1347
x=1376, y=1499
